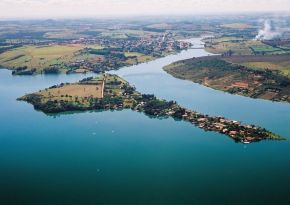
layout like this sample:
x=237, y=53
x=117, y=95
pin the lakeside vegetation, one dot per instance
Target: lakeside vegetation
x=219, y=73
x=110, y=92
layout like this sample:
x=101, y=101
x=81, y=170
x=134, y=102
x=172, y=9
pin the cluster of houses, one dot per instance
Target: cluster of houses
x=147, y=44
x=151, y=44
x=234, y=129
x=155, y=45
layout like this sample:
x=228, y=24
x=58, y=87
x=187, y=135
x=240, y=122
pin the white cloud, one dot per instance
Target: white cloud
x=62, y=8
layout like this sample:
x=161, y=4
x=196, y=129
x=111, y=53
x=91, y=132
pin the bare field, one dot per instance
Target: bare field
x=268, y=95
x=79, y=90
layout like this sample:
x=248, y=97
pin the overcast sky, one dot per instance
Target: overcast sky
x=91, y=8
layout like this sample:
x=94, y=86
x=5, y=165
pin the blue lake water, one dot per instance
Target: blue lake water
x=124, y=157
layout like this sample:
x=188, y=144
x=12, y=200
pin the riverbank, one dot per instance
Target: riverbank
x=218, y=73
x=110, y=92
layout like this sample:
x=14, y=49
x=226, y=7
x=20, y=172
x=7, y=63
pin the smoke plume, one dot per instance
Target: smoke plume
x=268, y=32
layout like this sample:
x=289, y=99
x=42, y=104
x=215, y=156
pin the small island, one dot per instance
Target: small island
x=110, y=92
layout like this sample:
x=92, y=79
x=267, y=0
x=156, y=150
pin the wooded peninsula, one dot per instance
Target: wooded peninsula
x=110, y=92
x=227, y=73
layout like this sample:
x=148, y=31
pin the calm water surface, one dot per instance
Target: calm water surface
x=124, y=157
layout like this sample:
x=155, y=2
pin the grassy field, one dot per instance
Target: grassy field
x=283, y=67
x=124, y=33
x=160, y=26
x=63, y=34
x=133, y=54
x=82, y=94
x=139, y=57
x=265, y=49
x=237, y=26
x=240, y=46
x=39, y=57
x=75, y=93
x=224, y=39
x=279, y=63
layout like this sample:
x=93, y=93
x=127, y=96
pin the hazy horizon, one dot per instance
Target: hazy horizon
x=25, y=9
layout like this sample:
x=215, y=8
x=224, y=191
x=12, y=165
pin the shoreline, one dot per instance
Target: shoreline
x=119, y=95
x=68, y=72
x=217, y=73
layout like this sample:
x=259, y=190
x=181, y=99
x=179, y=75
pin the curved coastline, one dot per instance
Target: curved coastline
x=153, y=69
